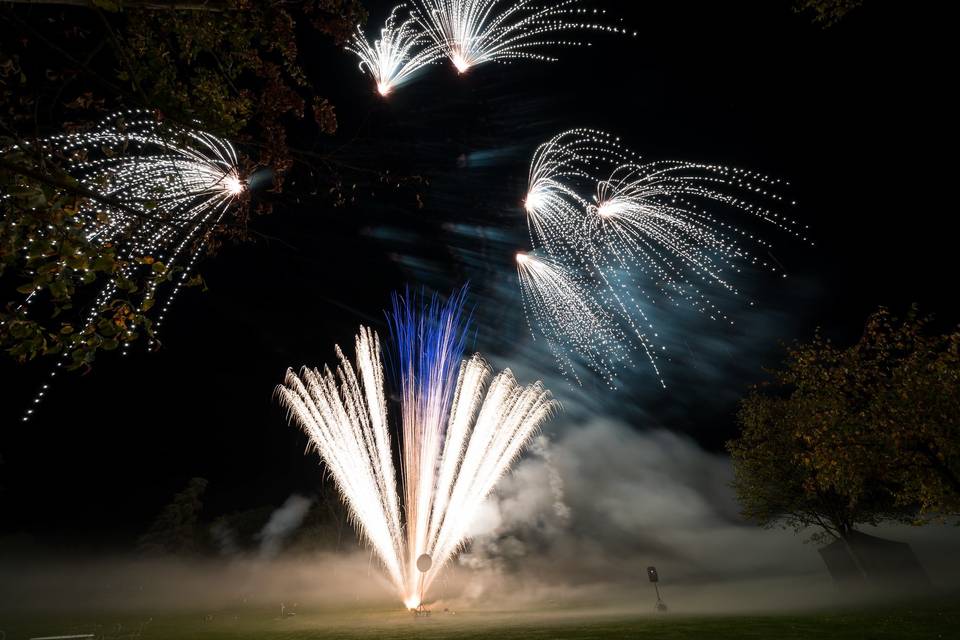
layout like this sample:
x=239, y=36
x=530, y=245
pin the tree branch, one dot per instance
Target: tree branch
x=133, y=4
x=122, y=54
x=77, y=189
x=66, y=56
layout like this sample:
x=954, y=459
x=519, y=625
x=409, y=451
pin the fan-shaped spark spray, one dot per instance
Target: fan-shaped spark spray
x=462, y=427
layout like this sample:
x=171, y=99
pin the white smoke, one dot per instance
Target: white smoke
x=541, y=449
x=225, y=539
x=632, y=499
x=283, y=522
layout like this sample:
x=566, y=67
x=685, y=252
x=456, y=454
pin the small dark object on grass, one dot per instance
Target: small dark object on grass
x=655, y=578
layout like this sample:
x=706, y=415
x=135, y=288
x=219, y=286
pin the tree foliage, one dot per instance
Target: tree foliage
x=231, y=67
x=827, y=12
x=177, y=529
x=236, y=67
x=43, y=248
x=856, y=435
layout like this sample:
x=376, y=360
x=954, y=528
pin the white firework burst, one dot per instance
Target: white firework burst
x=642, y=234
x=561, y=305
x=563, y=174
x=474, y=32
x=463, y=426
x=401, y=50
x=157, y=191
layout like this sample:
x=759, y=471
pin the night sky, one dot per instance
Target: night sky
x=855, y=117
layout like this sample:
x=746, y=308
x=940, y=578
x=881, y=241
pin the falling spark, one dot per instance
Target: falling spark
x=558, y=302
x=462, y=427
x=159, y=189
x=622, y=234
x=402, y=50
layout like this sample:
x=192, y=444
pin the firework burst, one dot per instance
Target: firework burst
x=402, y=50
x=469, y=33
x=462, y=427
x=473, y=32
x=625, y=235
x=157, y=191
x=575, y=324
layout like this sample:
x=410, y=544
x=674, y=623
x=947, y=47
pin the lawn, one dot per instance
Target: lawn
x=927, y=621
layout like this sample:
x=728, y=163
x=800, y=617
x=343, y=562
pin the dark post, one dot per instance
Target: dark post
x=655, y=578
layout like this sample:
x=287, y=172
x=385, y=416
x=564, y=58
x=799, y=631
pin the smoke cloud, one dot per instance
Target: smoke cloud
x=572, y=528
x=282, y=523
x=632, y=499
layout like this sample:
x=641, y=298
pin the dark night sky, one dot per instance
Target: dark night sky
x=854, y=116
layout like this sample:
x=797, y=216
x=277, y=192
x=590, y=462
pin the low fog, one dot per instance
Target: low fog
x=586, y=514
x=573, y=527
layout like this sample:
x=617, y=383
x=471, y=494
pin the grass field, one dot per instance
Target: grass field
x=928, y=622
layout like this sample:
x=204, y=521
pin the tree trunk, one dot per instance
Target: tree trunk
x=845, y=532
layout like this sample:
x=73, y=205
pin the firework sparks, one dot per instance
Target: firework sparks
x=623, y=234
x=462, y=427
x=158, y=190
x=473, y=32
x=558, y=303
x=402, y=50
x=562, y=169
x=469, y=33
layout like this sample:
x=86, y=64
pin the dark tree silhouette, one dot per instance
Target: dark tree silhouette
x=230, y=67
x=856, y=435
x=177, y=529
